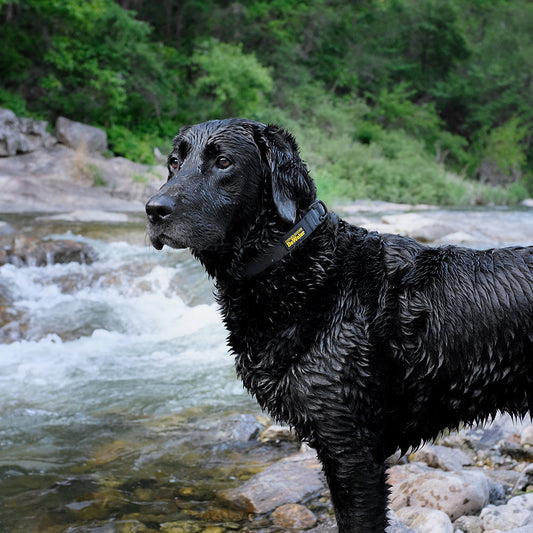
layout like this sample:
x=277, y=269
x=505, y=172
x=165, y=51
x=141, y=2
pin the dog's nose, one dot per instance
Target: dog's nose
x=159, y=207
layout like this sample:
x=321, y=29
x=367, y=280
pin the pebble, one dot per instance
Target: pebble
x=468, y=524
x=443, y=457
x=423, y=520
x=293, y=516
x=277, y=433
x=526, y=439
x=517, y=512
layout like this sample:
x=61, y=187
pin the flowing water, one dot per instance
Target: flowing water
x=111, y=400
x=118, y=398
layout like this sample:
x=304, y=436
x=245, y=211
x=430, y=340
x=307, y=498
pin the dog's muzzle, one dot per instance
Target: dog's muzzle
x=158, y=208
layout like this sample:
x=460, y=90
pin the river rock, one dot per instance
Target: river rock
x=455, y=493
x=526, y=439
x=423, y=520
x=516, y=451
x=30, y=251
x=291, y=480
x=78, y=135
x=517, y=512
x=293, y=516
x=277, y=433
x=468, y=524
x=240, y=428
x=525, y=479
x=19, y=135
x=6, y=229
x=443, y=457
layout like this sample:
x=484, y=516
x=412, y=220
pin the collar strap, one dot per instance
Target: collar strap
x=291, y=240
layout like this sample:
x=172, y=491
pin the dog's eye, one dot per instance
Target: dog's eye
x=223, y=162
x=174, y=163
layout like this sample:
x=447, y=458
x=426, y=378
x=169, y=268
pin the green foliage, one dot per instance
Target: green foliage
x=387, y=97
x=134, y=145
x=230, y=82
x=504, y=145
x=13, y=101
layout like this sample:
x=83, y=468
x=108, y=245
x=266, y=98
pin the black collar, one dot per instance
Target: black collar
x=291, y=240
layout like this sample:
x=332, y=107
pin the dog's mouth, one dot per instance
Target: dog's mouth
x=156, y=243
x=160, y=240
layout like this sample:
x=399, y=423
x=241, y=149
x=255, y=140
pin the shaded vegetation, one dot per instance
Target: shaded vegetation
x=389, y=99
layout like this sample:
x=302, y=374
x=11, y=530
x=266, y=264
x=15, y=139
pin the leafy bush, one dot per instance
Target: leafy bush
x=230, y=82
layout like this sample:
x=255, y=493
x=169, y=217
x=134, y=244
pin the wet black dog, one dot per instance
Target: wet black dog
x=365, y=343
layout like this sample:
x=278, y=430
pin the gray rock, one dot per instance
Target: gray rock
x=31, y=251
x=525, y=479
x=277, y=433
x=515, y=451
x=469, y=524
x=293, y=516
x=290, y=480
x=527, y=436
x=517, y=512
x=78, y=135
x=443, y=457
x=329, y=526
x=20, y=135
x=423, y=520
x=455, y=493
x=6, y=229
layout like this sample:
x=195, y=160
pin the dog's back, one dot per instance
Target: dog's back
x=462, y=348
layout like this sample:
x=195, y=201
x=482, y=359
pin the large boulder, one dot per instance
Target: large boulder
x=78, y=135
x=21, y=135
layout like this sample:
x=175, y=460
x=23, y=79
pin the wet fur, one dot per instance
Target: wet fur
x=363, y=342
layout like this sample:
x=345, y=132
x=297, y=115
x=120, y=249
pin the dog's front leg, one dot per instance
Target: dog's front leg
x=356, y=479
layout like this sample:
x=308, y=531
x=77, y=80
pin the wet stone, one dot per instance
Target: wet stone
x=277, y=433
x=290, y=480
x=293, y=516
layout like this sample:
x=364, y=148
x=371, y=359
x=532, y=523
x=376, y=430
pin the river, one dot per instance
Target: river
x=118, y=396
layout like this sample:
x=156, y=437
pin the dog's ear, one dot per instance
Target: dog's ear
x=292, y=187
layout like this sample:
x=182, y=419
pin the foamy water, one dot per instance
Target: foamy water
x=107, y=341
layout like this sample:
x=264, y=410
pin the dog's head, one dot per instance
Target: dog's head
x=220, y=173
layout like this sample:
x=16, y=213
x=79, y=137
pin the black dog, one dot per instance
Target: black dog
x=365, y=343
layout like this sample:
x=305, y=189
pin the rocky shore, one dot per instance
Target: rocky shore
x=479, y=480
